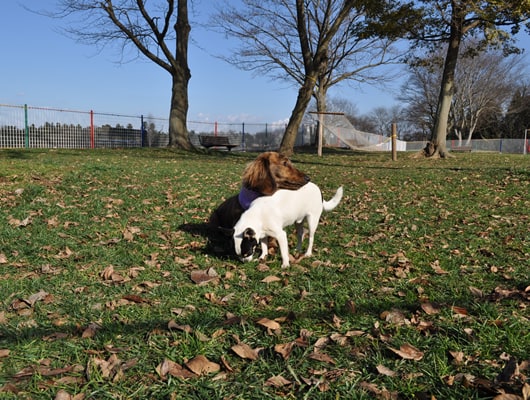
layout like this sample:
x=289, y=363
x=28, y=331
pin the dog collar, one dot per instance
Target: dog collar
x=247, y=196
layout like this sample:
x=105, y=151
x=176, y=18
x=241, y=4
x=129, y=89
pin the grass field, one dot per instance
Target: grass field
x=111, y=287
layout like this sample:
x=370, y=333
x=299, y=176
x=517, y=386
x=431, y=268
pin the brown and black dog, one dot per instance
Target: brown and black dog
x=269, y=172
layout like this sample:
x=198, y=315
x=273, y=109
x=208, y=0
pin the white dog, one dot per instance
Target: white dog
x=268, y=215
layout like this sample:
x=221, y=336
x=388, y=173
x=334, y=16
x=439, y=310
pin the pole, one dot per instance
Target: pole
x=394, y=141
x=26, y=127
x=142, y=131
x=92, y=141
x=243, y=136
x=320, y=133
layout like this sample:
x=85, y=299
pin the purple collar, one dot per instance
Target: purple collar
x=247, y=196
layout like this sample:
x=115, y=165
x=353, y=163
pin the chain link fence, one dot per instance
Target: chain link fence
x=39, y=127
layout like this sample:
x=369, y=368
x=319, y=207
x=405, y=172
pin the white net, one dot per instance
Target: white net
x=339, y=132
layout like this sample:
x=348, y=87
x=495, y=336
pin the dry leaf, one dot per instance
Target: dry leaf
x=90, y=330
x=322, y=357
x=408, y=352
x=245, y=351
x=63, y=395
x=336, y=321
x=4, y=353
x=395, y=317
x=458, y=357
x=437, y=269
x=277, y=381
x=284, y=349
x=385, y=371
x=461, y=311
x=41, y=295
x=3, y=258
x=135, y=298
x=269, y=324
x=200, y=365
x=184, y=328
x=271, y=278
x=429, y=308
x=476, y=292
x=203, y=277
x=168, y=367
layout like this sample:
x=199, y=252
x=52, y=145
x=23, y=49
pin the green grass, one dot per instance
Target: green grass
x=110, y=238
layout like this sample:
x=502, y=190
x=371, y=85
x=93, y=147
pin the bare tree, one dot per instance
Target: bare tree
x=314, y=45
x=485, y=82
x=485, y=86
x=451, y=21
x=157, y=30
x=383, y=118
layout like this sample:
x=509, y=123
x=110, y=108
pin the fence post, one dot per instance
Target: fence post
x=394, y=141
x=243, y=138
x=266, y=137
x=320, y=133
x=26, y=127
x=92, y=140
x=142, y=130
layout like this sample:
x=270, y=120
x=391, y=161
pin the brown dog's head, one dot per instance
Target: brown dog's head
x=271, y=171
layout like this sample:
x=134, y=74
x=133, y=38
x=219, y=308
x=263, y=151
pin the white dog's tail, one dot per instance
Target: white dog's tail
x=334, y=202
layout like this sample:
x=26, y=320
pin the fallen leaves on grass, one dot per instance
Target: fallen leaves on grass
x=378, y=393
x=90, y=330
x=273, y=327
x=25, y=305
x=110, y=275
x=277, y=381
x=202, y=277
x=168, y=367
x=199, y=365
x=385, y=370
x=408, y=352
x=17, y=223
x=112, y=368
x=44, y=369
x=243, y=350
x=270, y=279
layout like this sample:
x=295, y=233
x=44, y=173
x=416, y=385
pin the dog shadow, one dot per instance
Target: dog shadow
x=216, y=243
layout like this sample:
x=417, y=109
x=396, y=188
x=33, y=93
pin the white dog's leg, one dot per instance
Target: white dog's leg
x=264, y=247
x=284, y=248
x=312, y=223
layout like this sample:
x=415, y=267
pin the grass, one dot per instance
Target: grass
x=418, y=287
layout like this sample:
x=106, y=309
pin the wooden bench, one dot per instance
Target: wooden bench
x=216, y=141
x=462, y=149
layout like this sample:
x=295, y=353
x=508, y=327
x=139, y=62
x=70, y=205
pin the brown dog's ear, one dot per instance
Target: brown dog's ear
x=258, y=177
x=226, y=231
x=249, y=233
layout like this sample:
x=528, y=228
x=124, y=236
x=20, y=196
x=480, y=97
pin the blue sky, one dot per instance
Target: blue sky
x=42, y=67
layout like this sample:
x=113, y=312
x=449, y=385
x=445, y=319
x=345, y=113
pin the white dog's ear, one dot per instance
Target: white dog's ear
x=249, y=233
x=226, y=231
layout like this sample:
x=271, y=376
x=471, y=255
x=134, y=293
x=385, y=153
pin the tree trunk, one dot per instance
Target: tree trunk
x=445, y=97
x=303, y=99
x=178, y=131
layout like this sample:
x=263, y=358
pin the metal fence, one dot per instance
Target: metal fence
x=39, y=127
x=23, y=126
